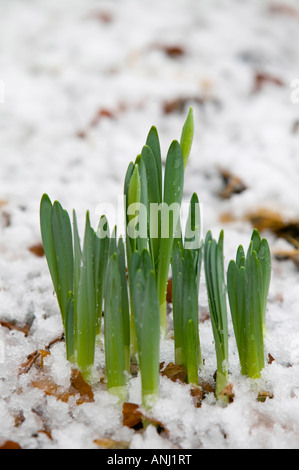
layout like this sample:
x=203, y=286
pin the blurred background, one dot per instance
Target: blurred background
x=83, y=81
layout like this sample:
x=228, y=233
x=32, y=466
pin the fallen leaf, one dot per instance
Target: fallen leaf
x=295, y=127
x=263, y=395
x=106, y=443
x=19, y=419
x=5, y=219
x=206, y=387
x=178, y=105
x=204, y=314
x=175, y=372
x=47, y=432
x=37, y=250
x=173, y=51
x=12, y=325
x=33, y=358
x=233, y=184
x=197, y=395
x=78, y=387
x=100, y=114
x=39, y=354
x=132, y=417
x=102, y=16
x=265, y=219
x=169, y=291
x=262, y=78
x=135, y=419
x=227, y=218
x=270, y=359
x=10, y=445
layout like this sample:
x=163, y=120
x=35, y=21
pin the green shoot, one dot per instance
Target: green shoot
x=56, y=234
x=115, y=350
x=248, y=280
x=215, y=281
x=78, y=277
x=186, y=267
x=86, y=313
x=187, y=136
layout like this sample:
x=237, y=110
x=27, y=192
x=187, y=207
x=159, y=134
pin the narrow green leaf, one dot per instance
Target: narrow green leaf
x=47, y=239
x=177, y=302
x=148, y=332
x=173, y=190
x=187, y=136
x=124, y=300
x=86, y=310
x=153, y=142
x=102, y=248
x=63, y=245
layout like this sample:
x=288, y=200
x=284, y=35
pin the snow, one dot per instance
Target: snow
x=61, y=64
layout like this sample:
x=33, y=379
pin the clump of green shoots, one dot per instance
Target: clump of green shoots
x=153, y=203
x=126, y=279
x=186, y=268
x=117, y=321
x=248, y=280
x=216, y=289
x=147, y=324
x=77, y=274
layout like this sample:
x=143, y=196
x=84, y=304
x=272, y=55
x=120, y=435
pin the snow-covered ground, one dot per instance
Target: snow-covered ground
x=84, y=81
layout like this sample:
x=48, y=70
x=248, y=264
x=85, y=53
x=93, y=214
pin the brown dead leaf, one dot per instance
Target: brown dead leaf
x=228, y=393
x=169, y=291
x=135, y=419
x=38, y=356
x=106, y=443
x=197, y=395
x=263, y=395
x=12, y=325
x=295, y=127
x=5, y=219
x=206, y=387
x=283, y=9
x=47, y=432
x=233, y=184
x=100, y=114
x=50, y=388
x=37, y=250
x=174, y=51
x=265, y=219
x=132, y=417
x=19, y=419
x=174, y=372
x=10, y=445
x=204, y=314
x=270, y=359
x=102, y=16
x=262, y=78
x=78, y=387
